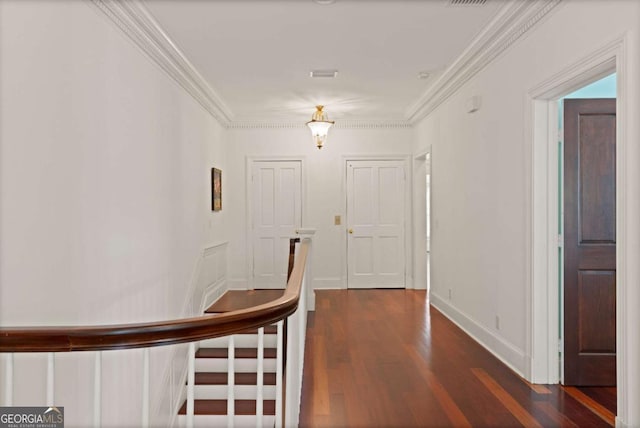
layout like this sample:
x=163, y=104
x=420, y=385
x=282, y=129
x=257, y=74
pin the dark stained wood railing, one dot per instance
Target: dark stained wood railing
x=143, y=335
x=292, y=255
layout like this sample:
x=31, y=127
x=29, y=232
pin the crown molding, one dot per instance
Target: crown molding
x=510, y=24
x=133, y=18
x=340, y=124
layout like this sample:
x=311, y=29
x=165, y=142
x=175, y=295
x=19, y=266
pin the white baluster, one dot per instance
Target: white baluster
x=145, y=387
x=97, y=390
x=260, y=379
x=231, y=382
x=290, y=370
x=8, y=386
x=51, y=369
x=191, y=377
x=279, y=377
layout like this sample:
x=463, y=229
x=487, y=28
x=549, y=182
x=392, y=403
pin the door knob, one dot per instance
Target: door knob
x=351, y=231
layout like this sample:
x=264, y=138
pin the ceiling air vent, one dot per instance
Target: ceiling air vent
x=467, y=2
x=323, y=73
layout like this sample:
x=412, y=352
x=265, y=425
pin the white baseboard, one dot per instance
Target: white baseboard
x=408, y=283
x=212, y=293
x=510, y=355
x=420, y=285
x=327, y=284
x=238, y=284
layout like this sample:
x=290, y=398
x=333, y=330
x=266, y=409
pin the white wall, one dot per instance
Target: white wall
x=481, y=168
x=105, y=196
x=323, y=188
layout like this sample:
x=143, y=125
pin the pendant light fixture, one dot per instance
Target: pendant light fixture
x=319, y=125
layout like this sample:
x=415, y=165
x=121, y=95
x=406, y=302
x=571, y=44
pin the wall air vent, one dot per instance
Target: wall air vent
x=323, y=73
x=467, y=2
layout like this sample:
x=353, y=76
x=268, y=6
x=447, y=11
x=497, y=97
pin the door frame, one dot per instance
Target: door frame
x=249, y=161
x=408, y=225
x=420, y=162
x=544, y=282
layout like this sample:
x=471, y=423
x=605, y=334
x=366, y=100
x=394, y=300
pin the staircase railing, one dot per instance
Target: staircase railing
x=291, y=306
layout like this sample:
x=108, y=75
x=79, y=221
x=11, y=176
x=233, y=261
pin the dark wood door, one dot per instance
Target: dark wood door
x=590, y=242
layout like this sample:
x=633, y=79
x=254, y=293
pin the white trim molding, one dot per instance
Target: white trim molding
x=328, y=283
x=506, y=352
x=207, y=284
x=133, y=18
x=238, y=284
x=212, y=248
x=512, y=21
x=510, y=24
x=543, y=317
x=214, y=274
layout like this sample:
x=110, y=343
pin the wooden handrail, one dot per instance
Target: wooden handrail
x=143, y=335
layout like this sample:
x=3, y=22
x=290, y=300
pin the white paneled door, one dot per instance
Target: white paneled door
x=277, y=213
x=375, y=224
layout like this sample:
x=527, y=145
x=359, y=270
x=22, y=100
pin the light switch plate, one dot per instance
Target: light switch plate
x=337, y=221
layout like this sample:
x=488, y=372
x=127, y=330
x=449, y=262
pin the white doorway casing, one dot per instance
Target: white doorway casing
x=543, y=319
x=421, y=236
x=428, y=181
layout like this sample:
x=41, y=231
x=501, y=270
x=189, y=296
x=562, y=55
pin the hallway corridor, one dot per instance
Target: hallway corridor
x=379, y=358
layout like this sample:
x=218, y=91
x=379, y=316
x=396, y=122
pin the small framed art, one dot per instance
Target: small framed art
x=216, y=189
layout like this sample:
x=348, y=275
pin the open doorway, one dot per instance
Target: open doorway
x=422, y=215
x=542, y=320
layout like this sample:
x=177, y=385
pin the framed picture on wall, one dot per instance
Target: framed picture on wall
x=216, y=189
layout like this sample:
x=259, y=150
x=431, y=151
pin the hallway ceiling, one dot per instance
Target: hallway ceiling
x=256, y=55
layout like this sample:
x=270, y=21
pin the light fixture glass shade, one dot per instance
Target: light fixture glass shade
x=319, y=125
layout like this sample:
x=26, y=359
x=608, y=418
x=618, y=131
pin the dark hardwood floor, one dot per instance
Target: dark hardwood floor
x=383, y=358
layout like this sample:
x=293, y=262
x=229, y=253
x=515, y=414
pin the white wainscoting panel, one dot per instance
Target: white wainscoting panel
x=209, y=282
x=214, y=274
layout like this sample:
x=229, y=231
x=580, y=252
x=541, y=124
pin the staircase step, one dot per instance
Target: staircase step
x=239, y=353
x=241, y=341
x=242, y=299
x=239, y=421
x=221, y=378
x=241, y=392
x=241, y=365
x=219, y=407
